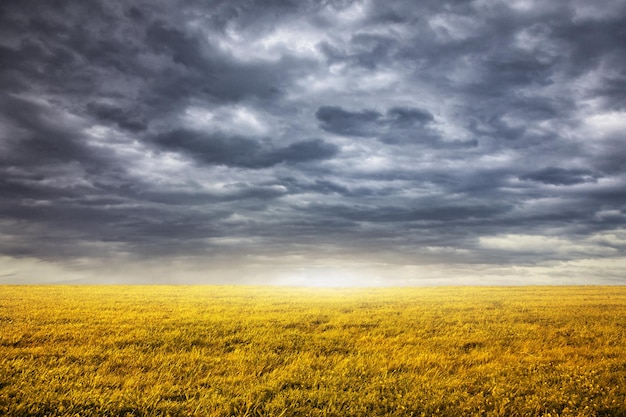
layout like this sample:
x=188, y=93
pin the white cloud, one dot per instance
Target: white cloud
x=596, y=10
x=454, y=27
x=605, y=124
x=285, y=39
x=238, y=119
x=542, y=245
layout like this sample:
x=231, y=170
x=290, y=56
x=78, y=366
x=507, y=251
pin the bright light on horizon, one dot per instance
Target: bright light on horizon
x=328, y=278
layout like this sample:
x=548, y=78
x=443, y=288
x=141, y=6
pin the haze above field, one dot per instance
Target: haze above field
x=316, y=143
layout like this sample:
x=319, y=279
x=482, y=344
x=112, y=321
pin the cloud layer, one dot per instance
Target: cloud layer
x=440, y=142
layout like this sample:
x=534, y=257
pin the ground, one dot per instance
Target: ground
x=276, y=351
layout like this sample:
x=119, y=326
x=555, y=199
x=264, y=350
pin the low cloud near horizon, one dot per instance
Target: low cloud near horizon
x=311, y=142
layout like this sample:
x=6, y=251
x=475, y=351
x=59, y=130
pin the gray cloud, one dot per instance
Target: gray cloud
x=243, y=152
x=269, y=136
x=406, y=116
x=334, y=119
x=399, y=126
x=368, y=122
x=110, y=113
x=560, y=176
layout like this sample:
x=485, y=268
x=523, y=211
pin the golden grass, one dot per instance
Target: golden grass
x=222, y=351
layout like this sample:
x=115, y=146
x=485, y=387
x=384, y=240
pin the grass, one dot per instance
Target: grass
x=222, y=351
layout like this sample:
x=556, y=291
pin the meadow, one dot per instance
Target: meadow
x=276, y=351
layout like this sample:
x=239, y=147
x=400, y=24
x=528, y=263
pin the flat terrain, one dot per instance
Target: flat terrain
x=221, y=351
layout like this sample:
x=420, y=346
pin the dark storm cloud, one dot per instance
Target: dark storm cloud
x=398, y=126
x=337, y=120
x=369, y=122
x=121, y=117
x=406, y=116
x=611, y=157
x=303, y=151
x=434, y=213
x=395, y=132
x=613, y=91
x=242, y=152
x=202, y=69
x=37, y=134
x=560, y=176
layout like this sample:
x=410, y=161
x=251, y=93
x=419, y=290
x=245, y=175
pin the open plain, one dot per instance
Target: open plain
x=277, y=351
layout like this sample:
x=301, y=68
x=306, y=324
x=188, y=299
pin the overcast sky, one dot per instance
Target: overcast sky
x=313, y=142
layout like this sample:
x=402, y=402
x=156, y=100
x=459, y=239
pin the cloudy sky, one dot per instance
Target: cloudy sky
x=310, y=142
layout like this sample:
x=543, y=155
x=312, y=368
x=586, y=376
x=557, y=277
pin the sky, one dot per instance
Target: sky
x=320, y=143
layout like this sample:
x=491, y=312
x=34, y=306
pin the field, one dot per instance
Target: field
x=247, y=351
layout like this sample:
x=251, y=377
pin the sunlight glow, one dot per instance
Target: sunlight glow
x=327, y=278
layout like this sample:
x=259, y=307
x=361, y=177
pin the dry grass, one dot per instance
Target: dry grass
x=221, y=351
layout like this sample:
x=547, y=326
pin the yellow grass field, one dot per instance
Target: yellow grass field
x=248, y=351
